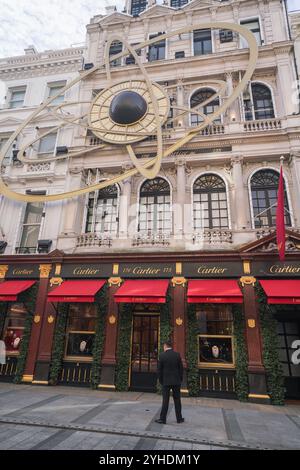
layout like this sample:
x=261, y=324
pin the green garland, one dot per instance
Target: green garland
x=3, y=308
x=192, y=352
x=275, y=379
x=123, y=349
x=29, y=300
x=58, y=343
x=242, y=383
x=99, y=337
x=165, y=322
x=165, y=330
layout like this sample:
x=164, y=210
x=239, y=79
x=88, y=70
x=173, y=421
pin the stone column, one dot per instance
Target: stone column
x=295, y=196
x=178, y=210
x=239, y=195
x=287, y=90
x=38, y=320
x=107, y=381
x=124, y=208
x=179, y=122
x=70, y=211
x=179, y=320
x=45, y=330
x=256, y=371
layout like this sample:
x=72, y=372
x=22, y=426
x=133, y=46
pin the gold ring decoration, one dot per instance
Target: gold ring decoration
x=153, y=107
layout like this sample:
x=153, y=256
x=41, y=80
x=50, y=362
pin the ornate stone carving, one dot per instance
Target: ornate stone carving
x=3, y=271
x=45, y=270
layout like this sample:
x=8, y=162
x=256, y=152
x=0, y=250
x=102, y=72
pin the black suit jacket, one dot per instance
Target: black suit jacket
x=170, y=368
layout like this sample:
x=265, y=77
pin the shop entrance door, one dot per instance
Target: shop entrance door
x=289, y=333
x=144, y=353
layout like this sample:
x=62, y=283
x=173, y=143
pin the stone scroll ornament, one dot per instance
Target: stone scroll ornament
x=127, y=112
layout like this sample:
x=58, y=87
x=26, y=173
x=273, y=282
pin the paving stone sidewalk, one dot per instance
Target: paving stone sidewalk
x=34, y=417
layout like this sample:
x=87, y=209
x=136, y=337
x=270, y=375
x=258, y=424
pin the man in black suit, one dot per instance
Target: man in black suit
x=170, y=374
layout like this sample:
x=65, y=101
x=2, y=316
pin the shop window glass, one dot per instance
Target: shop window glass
x=215, y=338
x=14, y=327
x=81, y=330
x=288, y=333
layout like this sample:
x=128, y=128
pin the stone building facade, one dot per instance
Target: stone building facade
x=213, y=201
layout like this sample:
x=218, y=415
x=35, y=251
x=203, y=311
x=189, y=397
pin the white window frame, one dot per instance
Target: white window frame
x=262, y=35
x=13, y=90
x=166, y=48
x=55, y=146
x=21, y=223
x=277, y=170
x=4, y=138
x=139, y=197
x=85, y=214
x=252, y=102
x=227, y=197
x=213, y=45
x=52, y=85
x=189, y=104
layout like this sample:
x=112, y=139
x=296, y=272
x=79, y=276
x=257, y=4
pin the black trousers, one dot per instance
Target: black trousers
x=166, y=389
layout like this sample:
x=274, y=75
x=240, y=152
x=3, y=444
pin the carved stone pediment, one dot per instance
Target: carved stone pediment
x=115, y=17
x=156, y=10
x=266, y=242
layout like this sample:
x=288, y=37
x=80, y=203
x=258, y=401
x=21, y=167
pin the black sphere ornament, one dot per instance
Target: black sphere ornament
x=127, y=107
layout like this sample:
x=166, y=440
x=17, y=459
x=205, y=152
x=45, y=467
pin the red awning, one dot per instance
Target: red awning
x=9, y=290
x=76, y=291
x=142, y=292
x=282, y=292
x=214, y=292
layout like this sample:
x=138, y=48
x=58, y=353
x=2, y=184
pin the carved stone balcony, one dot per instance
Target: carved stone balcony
x=86, y=240
x=213, y=237
x=214, y=129
x=262, y=125
x=145, y=239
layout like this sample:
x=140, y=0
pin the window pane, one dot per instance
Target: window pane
x=53, y=90
x=47, y=144
x=17, y=98
x=15, y=323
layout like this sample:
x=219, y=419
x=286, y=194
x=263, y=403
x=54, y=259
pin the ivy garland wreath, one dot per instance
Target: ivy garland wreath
x=124, y=340
x=271, y=360
x=60, y=337
x=29, y=300
x=240, y=348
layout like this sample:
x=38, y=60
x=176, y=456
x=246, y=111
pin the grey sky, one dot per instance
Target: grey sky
x=51, y=24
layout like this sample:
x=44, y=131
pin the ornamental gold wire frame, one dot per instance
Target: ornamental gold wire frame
x=152, y=163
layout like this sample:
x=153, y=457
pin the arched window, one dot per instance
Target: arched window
x=210, y=203
x=155, y=207
x=201, y=96
x=264, y=189
x=260, y=104
x=102, y=211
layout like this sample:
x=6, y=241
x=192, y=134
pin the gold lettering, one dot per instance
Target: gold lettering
x=286, y=269
x=142, y=271
x=85, y=271
x=22, y=272
x=202, y=269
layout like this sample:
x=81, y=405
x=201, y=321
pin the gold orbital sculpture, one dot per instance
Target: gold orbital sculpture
x=101, y=124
